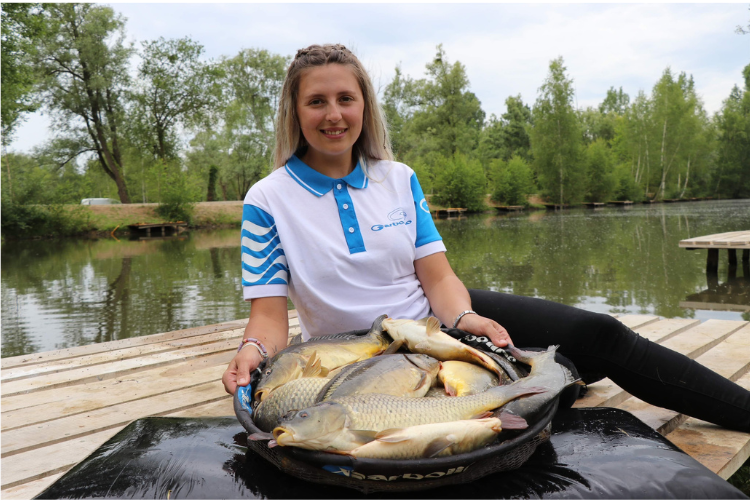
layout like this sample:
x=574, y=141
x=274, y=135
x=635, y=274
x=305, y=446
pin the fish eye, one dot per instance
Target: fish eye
x=268, y=372
x=304, y=414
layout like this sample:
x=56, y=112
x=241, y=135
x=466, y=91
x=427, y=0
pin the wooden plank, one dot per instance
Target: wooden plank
x=21, y=372
x=634, y=321
x=721, y=450
x=67, y=428
x=659, y=331
x=111, y=370
x=53, y=459
x=222, y=408
x=43, y=357
x=117, y=391
x=703, y=337
x=149, y=382
x=30, y=489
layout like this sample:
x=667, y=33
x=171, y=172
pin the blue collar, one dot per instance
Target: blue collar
x=319, y=184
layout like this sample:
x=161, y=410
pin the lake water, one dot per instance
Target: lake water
x=58, y=294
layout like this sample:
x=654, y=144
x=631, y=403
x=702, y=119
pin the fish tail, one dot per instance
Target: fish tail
x=527, y=356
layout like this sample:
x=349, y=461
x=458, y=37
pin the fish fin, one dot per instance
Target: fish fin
x=312, y=368
x=363, y=437
x=422, y=381
x=260, y=436
x=450, y=390
x=423, y=321
x=395, y=435
x=433, y=325
x=272, y=443
x=484, y=414
x=509, y=421
x=421, y=346
x=394, y=347
x=438, y=445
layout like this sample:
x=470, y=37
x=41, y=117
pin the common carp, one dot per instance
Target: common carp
x=406, y=375
x=424, y=336
x=293, y=395
x=464, y=379
x=349, y=422
x=435, y=440
x=289, y=363
x=545, y=372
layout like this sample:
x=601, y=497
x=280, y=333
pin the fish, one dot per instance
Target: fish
x=405, y=375
x=464, y=379
x=293, y=395
x=437, y=392
x=289, y=363
x=349, y=422
x=435, y=440
x=424, y=336
x=545, y=372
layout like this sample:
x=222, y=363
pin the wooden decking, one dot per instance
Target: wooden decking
x=732, y=241
x=59, y=406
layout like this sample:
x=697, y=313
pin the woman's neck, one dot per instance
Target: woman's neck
x=336, y=167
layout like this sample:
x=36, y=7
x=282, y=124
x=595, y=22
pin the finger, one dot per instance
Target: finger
x=245, y=364
x=229, y=379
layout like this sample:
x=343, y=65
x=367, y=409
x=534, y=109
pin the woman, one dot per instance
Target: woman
x=345, y=231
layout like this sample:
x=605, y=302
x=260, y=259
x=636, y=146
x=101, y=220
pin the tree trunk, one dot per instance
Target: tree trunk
x=687, y=175
x=662, y=186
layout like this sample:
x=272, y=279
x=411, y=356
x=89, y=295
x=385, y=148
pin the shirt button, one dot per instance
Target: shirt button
x=338, y=186
x=346, y=206
x=351, y=229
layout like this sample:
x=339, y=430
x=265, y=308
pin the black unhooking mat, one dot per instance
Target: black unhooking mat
x=592, y=453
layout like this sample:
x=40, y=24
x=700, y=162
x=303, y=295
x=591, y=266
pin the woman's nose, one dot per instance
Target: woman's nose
x=333, y=114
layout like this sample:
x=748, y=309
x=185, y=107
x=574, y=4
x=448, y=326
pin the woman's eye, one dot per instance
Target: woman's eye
x=347, y=98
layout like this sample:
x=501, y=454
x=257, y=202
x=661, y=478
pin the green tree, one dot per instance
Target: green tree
x=252, y=84
x=437, y=113
x=83, y=60
x=517, y=121
x=631, y=142
x=556, y=138
x=175, y=87
x=600, y=178
x=22, y=25
x=732, y=177
x=512, y=181
x=462, y=184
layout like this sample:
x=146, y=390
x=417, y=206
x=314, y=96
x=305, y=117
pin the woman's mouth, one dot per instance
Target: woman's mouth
x=334, y=132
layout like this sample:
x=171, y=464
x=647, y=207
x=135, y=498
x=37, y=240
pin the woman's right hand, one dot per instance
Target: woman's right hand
x=239, y=369
x=269, y=323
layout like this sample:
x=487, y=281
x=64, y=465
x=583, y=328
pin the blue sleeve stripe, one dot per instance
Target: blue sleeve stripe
x=257, y=216
x=259, y=266
x=275, y=275
x=263, y=258
x=426, y=230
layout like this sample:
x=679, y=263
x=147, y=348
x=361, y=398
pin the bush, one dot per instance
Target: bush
x=627, y=189
x=512, y=181
x=177, y=197
x=462, y=184
x=29, y=221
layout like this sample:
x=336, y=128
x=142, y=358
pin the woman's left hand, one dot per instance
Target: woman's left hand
x=485, y=327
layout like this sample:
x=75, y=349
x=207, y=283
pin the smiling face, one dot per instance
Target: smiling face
x=330, y=109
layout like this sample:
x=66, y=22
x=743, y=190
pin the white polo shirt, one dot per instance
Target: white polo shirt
x=342, y=249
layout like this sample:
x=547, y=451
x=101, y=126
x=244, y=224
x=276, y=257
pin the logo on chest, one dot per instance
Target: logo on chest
x=397, y=217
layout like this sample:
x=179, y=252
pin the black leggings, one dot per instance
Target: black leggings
x=599, y=345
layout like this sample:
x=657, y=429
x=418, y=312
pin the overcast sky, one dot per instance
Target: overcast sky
x=506, y=48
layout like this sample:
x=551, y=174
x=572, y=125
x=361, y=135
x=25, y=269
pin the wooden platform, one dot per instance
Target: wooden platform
x=732, y=241
x=59, y=406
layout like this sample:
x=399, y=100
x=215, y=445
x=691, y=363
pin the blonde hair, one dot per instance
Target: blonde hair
x=373, y=142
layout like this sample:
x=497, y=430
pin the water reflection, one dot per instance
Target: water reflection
x=58, y=294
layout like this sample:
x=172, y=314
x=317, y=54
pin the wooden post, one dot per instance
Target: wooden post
x=712, y=262
x=746, y=255
x=733, y=257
